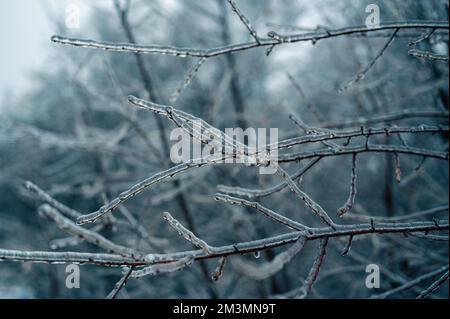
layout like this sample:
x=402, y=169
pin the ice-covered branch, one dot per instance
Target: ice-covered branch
x=46, y=198
x=267, y=212
x=326, y=34
x=328, y=135
x=120, y=284
x=266, y=270
x=412, y=283
x=256, y=193
x=307, y=102
x=238, y=248
x=398, y=218
x=428, y=55
x=361, y=75
x=372, y=148
x=314, y=272
x=390, y=117
x=92, y=237
x=434, y=286
x=187, y=234
x=273, y=40
x=218, y=272
x=187, y=79
x=311, y=204
x=351, y=198
x=163, y=268
x=244, y=20
x=183, y=120
x=140, y=187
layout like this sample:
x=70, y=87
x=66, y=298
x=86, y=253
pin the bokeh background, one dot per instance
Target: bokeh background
x=66, y=125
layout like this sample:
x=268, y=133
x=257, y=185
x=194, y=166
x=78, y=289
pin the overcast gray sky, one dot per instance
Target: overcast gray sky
x=24, y=31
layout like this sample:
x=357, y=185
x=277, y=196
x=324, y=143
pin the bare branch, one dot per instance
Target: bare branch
x=412, y=283
x=285, y=158
x=302, y=94
x=361, y=75
x=94, y=238
x=430, y=237
x=428, y=55
x=261, y=272
x=312, y=276
x=201, y=53
x=244, y=20
x=219, y=269
x=163, y=268
x=398, y=170
x=434, y=286
x=315, y=135
x=187, y=234
x=422, y=38
x=140, y=187
x=267, y=212
x=187, y=79
x=120, y=284
x=256, y=193
x=391, y=117
x=72, y=240
x=394, y=219
x=351, y=198
x=46, y=198
x=311, y=204
x=348, y=246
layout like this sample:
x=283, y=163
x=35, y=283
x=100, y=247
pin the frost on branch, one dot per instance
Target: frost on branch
x=362, y=115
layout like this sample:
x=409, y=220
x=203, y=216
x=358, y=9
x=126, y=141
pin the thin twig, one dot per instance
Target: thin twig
x=45, y=197
x=412, y=283
x=140, y=187
x=435, y=285
x=302, y=94
x=187, y=234
x=311, y=204
x=163, y=268
x=267, y=212
x=374, y=148
x=314, y=272
x=187, y=79
x=256, y=193
x=362, y=74
x=351, y=198
x=70, y=227
x=422, y=38
x=390, y=117
x=428, y=55
x=218, y=272
x=244, y=20
x=120, y=284
x=400, y=218
x=398, y=170
x=348, y=246
x=261, y=272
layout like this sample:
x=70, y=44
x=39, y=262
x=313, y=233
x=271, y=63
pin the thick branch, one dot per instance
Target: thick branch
x=239, y=248
x=274, y=40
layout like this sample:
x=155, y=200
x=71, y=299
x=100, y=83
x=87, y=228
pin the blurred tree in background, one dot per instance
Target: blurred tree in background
x=77, y=137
